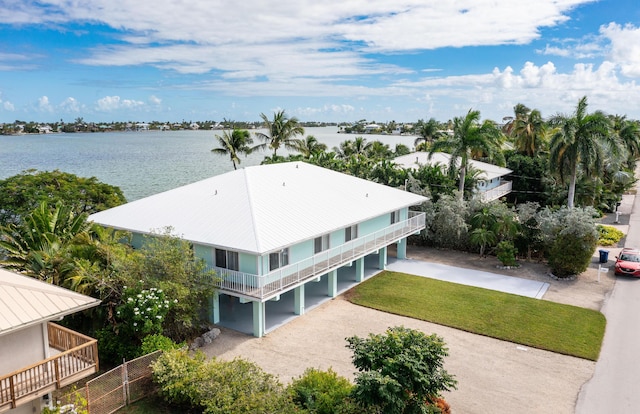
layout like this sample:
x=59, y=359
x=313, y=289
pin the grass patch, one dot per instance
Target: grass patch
x=564, y=329
x=148, y=405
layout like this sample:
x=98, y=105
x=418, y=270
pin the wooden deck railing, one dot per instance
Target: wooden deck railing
x=278, y=281
x=78, y=358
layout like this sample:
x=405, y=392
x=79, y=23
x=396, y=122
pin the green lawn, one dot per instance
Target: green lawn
x=536, y=323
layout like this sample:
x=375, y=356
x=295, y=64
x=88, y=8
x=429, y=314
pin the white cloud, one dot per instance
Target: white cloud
x=541, y=87
x=71, y=105
x=154, y=100
x=625, y=47
x=114, y=103
x=295, y=38
x=44, y=105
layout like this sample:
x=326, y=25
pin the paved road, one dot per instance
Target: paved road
x=614, y=386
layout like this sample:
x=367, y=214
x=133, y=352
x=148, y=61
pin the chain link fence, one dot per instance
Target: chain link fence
x=121, y=386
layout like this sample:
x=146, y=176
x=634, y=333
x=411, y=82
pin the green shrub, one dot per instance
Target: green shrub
x=320, y=392
x=73, y=402
x=219, y=387
x=506, y=253
x=608, y=235
x=178, y=375
x=158, y=342
x=400, y=370
x=570, y=255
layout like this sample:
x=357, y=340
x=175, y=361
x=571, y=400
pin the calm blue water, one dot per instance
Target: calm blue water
x=141, y=163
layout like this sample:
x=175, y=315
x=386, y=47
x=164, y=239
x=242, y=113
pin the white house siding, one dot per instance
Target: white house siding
x=22, y=348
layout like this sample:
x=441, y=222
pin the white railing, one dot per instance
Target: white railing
x=495, y=193
x=282, y=279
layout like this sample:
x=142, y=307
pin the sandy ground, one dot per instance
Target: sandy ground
x=493, y=376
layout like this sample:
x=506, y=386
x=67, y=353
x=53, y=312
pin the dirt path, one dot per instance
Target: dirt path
x=494, y=376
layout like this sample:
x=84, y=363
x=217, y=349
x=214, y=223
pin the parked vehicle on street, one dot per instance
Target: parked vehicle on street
x=628, y=263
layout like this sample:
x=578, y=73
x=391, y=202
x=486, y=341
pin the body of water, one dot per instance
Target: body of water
x=142, y=163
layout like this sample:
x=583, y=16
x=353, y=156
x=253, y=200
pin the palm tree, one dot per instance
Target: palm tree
x=520, y=111
x=233, y=143
x=281, y=131
x=629, y=134
x=469, y=135
x=428, y=132
x=308, y=147
x=580, y=142
x=529, y=132
x=40, y=245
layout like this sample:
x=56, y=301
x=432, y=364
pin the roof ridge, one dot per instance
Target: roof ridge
x=251, y=209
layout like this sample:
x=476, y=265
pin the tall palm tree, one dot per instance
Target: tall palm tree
x=281, y=131
x=629, y=134
x=469, y=135
x=308, y=147
x=233, y=143
x=428, y=132
x=579, y=142
x=520, y=111
x=529, y=132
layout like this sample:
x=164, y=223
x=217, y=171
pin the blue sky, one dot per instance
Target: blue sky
x=379, y=60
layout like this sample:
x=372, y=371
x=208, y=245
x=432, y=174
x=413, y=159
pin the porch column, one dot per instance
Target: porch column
x=333, y=283
x=382, y=258
x=298, y=300
x=214, y=308
x=360, y=269
x=402, y=249
x=258, y=319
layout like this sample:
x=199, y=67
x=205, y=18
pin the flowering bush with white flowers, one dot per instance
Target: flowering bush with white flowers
x=142, y=311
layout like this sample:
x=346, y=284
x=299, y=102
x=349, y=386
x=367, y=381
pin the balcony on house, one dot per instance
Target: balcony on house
x=495, y=193
x=74, y=356
x=263, y=287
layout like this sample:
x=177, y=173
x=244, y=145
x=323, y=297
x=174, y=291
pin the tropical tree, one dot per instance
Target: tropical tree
x=400, y=371
x=281, y=131
x=529, y=132
x=579, y=143
x=427, y=132
x=379, y=150
x=308, y=147
x=629, y=134
x=234, y=143
x=520, y=111
x=23, y=193
x=469, y=134
x=40, y=245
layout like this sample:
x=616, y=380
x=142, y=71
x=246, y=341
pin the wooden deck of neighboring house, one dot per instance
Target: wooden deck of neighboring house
x=74, y=356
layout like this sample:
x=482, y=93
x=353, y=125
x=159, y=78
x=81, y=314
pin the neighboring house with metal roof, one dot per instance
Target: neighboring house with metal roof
x=38, y=356
x=491, y=178
x=270, y=230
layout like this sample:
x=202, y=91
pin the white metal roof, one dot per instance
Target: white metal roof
x=25, y=301
x=417, y=159
x=260, y=209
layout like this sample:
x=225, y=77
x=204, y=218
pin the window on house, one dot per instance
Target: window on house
x=278, y=259
x=320, y=244
x=227, y=259
x=351, y=233
x=395, y=217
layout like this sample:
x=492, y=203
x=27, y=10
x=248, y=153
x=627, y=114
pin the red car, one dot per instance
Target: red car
x=628, y=263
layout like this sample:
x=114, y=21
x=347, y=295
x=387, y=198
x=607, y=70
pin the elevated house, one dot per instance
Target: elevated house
x=491, y=178
x=38, y=356
x=277, y=235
